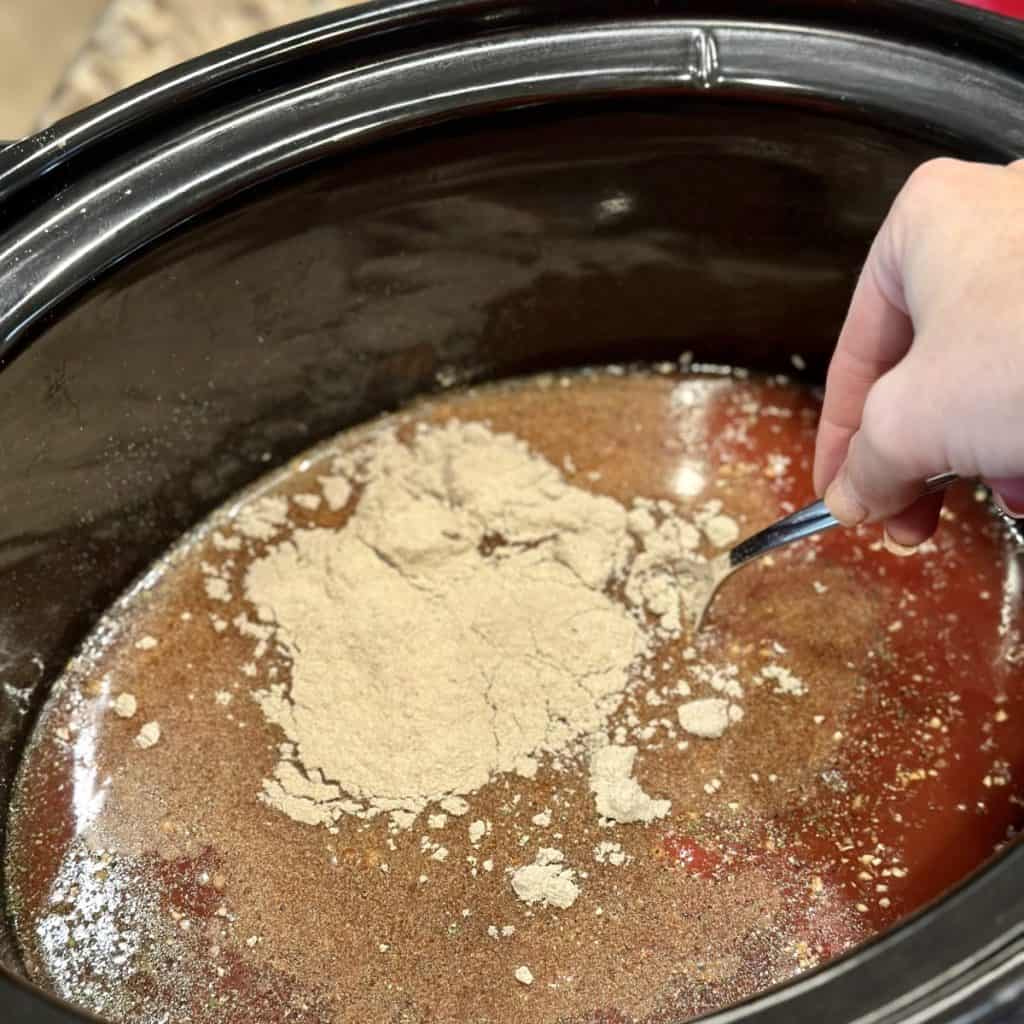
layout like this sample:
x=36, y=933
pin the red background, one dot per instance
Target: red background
x=1013, y=8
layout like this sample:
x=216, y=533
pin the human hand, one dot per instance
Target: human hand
x=928, y=373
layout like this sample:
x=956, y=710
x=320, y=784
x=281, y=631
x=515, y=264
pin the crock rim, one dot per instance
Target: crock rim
x=80, y=147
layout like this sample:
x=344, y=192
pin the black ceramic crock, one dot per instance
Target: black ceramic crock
x=205, y=274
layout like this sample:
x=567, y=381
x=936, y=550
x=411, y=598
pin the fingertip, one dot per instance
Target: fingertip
x=818, y=479
x=821, y=477
x=912, y=527
x=895, y=548
x=843, y=502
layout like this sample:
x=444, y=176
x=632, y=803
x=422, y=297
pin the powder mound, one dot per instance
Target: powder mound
x=708, y=718
x=547, y=880
x=617, y=795
x=456, y=624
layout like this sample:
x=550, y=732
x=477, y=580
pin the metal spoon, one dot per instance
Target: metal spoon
x=802, y=523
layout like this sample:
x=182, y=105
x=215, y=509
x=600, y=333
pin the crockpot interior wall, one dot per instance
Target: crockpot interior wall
x=472, y=251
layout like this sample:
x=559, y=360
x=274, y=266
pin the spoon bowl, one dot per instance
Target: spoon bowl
x=805, y=522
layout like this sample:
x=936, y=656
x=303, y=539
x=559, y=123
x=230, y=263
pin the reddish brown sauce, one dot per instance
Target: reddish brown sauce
x=151, y=885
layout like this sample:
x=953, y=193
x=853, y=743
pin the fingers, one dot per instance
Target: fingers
x=876, y=336
x=927, y=373
x=899, y=444
x=915, y=525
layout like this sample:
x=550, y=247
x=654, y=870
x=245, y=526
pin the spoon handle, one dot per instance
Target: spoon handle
x=813, y=519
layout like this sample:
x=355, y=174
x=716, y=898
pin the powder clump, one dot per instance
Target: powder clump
x=610, y=853
x=460, y=617
x=617, y=795
x=125, y=705
x=709, y=717
x=722, y=531
x=785, y=681
x=148, y=736
x=547, y=880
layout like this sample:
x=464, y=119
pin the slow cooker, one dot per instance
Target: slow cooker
x=194, y=286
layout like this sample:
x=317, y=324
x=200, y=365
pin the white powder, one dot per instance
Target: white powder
x=662, y=577
x=463, y=617
x=708, y=717
x=399, y=819
x=785, y=681
x=262, y=518
x=217, y=588
x=225, y=543
x=149, y=736
x=609, y=853
x=452, y=665
x=337, y=491
x=524, y=975
x=617, y=795
x=125, y=705
x=547, y=881
x=721, y=678
x=477, y=830
x=722, y=531
x=306, y=798
x=455, y=806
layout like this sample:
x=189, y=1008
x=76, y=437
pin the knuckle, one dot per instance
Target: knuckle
x=933, y=179
x=928, y=188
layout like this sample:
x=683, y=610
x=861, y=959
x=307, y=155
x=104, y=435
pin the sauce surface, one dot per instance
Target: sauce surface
x=150, y=883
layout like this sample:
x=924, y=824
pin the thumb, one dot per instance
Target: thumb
x=900, y=443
